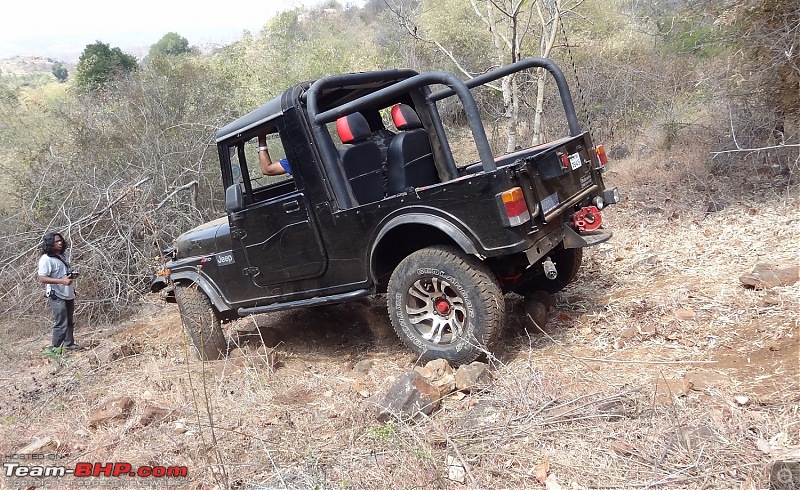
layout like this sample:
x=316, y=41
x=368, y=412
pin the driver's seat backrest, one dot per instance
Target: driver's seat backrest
x=409, y=160
x=361, y=158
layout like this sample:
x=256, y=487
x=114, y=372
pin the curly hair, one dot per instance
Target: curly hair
x=49, y=241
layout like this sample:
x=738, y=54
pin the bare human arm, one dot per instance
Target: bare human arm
x=268, y=167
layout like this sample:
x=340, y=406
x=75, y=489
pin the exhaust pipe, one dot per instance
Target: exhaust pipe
x=549, y=268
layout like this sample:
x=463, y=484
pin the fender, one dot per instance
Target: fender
x=192, y=276
x=436, y=221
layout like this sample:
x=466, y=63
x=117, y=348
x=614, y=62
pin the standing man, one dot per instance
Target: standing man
x=57, y=275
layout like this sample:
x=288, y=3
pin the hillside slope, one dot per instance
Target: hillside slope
x=28, y=65
x=658, y=369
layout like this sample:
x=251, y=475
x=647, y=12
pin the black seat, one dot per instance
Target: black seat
x=361, y=158
x=409, y=160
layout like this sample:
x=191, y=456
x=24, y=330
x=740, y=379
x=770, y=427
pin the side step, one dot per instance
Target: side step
x=336, y=298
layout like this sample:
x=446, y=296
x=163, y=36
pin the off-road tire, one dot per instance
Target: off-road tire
x=568, y=263
x=200, y=322
x=443, y=287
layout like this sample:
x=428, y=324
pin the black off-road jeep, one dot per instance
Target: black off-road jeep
x=379, y=205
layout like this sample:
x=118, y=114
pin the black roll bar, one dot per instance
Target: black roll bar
x=456, y=86
x=547, y=64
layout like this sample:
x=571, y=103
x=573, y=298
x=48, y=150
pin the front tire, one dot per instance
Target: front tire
x=445, y=304
x=200, y=322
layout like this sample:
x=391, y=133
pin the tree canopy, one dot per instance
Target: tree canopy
x=99, y=64
x=60, y=72
x=172, y=44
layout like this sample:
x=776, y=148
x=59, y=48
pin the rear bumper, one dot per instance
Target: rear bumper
x=572, y=239
x=569, y=237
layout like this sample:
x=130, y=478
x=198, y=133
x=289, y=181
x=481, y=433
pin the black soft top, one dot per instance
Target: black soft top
x=262, y=114
x=333, y=91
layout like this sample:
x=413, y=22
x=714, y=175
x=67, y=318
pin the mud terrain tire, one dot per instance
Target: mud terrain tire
x=200, y=322
x=445, y=304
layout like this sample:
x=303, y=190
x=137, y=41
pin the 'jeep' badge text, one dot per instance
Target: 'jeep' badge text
x=225, y=258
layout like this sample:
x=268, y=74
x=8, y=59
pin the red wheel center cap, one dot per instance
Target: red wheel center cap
x=443, y=306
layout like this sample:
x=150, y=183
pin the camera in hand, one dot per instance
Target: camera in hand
x=72, y=273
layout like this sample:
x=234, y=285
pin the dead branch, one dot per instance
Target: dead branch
x=177, y=190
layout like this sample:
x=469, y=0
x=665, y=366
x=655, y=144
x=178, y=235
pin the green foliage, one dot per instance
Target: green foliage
x=99, y=64
x=684, y=38
x=385, y=432
x=172, y=44
x=60, y=72
x=454, y=24
x=54, y=354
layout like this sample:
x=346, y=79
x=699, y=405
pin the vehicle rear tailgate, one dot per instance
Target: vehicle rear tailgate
x=560, y=176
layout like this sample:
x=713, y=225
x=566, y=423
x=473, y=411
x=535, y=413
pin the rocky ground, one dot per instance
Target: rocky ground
x=658, y=368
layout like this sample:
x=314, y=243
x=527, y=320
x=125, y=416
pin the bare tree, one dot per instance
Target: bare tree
x=516, y=29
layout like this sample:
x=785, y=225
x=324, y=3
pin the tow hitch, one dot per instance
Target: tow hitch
x=587, y=219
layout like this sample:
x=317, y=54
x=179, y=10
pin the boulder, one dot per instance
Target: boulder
x=538, y=307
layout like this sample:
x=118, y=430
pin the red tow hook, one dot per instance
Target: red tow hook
x=587, y=219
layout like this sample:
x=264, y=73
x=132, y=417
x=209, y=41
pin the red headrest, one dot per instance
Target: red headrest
x=352, y=128
x=404, y=117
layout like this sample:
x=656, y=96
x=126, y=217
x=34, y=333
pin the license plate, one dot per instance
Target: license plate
x=575, y=161
x=550, y=202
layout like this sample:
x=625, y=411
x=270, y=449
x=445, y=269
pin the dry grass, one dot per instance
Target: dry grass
x=598, y=395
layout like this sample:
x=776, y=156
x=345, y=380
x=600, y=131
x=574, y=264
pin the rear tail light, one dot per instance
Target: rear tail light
x=513, y=207
x=601, y=155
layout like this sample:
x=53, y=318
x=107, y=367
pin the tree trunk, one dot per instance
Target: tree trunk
x=547, y=46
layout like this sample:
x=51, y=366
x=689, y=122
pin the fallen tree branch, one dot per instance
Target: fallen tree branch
x=177, y=190
x=623, y=361
x=751, y=150
x=109, y=206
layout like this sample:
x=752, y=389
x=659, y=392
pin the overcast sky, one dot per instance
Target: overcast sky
x=62, y=28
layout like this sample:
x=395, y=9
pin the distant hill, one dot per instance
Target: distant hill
x=27, y=65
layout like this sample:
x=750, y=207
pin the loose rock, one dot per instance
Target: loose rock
x=364, y=367
x=765, y=276
x=473, y=377
x=108, y=353
x=439, y=373
x=409, y=396
x=117, y=408
x=39, y=446
x=155, y=415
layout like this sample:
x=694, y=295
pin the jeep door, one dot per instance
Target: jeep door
x=280, y=241
x=275, y=239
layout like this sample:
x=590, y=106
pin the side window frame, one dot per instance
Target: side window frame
x=246, y=158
